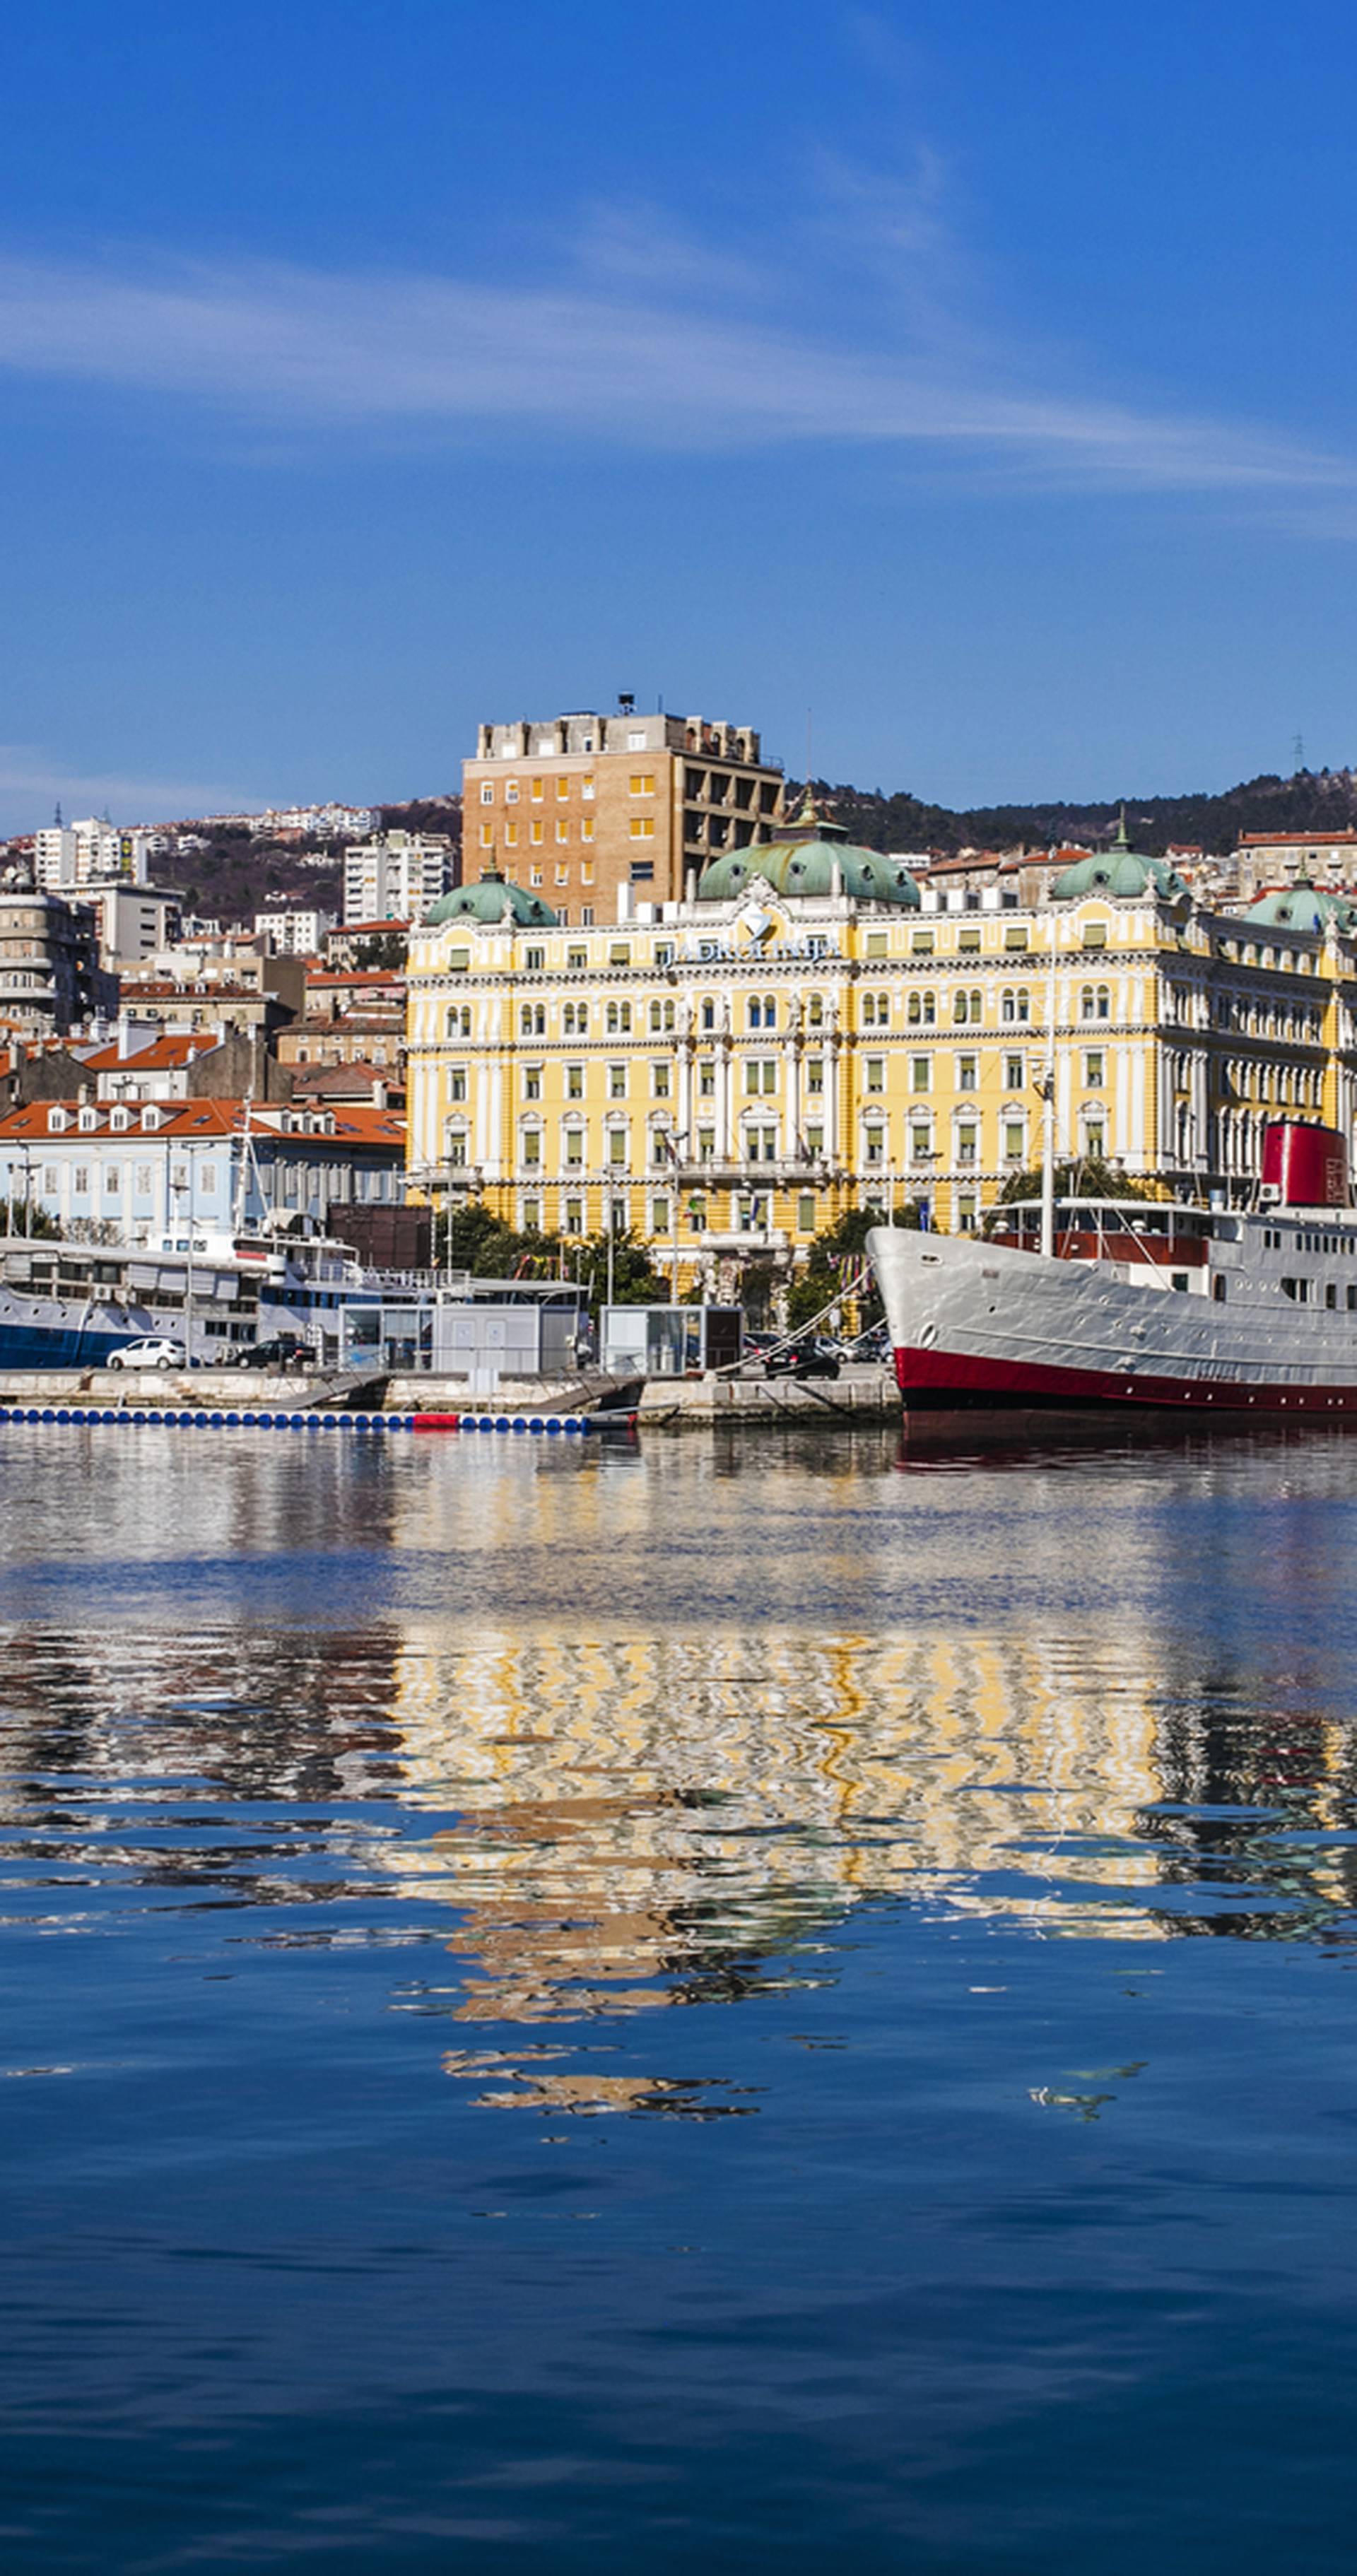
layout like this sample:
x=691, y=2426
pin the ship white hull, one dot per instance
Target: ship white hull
x=977, y=1323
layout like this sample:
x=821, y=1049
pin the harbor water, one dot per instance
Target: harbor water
x=572, y=2006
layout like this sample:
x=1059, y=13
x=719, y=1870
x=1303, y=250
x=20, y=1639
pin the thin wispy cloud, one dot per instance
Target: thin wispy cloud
x=34, y=779
x=648, y=348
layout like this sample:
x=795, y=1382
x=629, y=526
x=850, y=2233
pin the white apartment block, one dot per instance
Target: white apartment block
x=76, y=854
x=396, y=876
x=298, y=931
x=135, y=921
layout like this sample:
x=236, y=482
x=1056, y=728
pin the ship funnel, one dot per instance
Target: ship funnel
x=1304, y=1166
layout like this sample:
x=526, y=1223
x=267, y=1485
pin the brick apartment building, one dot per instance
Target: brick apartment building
x=580, y=806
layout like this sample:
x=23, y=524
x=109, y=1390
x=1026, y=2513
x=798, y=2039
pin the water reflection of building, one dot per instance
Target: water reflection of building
x=655, y=1819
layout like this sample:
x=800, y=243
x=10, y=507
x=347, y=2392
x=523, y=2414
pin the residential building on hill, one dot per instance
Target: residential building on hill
x=397, y=876
x=812, y=1032
x=1263, y=859
x=293, y=930
x=580, y=806
x=75, y=854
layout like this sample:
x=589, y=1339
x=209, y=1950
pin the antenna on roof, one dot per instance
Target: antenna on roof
x=56, y=818
x=809, y=730
x=1298, y=752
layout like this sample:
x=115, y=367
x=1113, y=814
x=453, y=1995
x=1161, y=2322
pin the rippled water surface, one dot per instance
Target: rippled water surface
x=570, y=2009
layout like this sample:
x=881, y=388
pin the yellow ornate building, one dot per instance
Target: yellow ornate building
x=728, y=1074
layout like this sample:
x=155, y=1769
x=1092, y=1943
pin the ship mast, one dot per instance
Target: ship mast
x=1046, y=1088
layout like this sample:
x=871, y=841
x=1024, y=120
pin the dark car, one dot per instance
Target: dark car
x=806, y=1358
x=285, y=1351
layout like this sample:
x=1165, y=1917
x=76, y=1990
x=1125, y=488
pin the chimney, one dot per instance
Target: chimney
x=379, y=1100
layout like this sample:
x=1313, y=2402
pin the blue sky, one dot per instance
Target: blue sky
x=979, y=379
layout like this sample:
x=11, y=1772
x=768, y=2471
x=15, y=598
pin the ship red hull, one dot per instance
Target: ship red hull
x=931, y=1378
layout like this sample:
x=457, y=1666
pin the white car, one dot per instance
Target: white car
x=154, y=1352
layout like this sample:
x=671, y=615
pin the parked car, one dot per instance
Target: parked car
x=808, y=1357
x=155, y=1350
x=283, y=1351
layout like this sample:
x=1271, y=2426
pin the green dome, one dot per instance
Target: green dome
x=807, y=867
x=1118, y=871
x=492, y=898
x=1300, y=907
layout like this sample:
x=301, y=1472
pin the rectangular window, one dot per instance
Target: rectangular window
x=458, y=960
x=815, y=1073
x=921, y=943
x=532, y=1082
x=141, y=1180
x=536, y=828
x=80, y=1181
x=617, y=1145
x=805, y=1213
x=536, y=791
x=574, y=1148
x=574, y=1216
x=1093, y=1071
x=534, y=960
x=659, y=1081
x=1015, y=936
x=620, y=953
x=562, y=790
x=535, y=877
x=706, y=1144
x=876, y=1145
x=457, y=1152
x=706, y=1080
x=562, y=875
x=532, y=1216
x=921, y=1073
x=642, y=827
x=1095, y=934
x=587, y=784
x=968, y=938
x=574, y=1082
x=487, y=793
x=511, y=836
x=586, y=916
x=113, y=1179
x=487, y=835
x=1013, y=1141
x=965, y=1145
x=511, y=792
x=815, y=1142
x=617, y=1082
x=968, y=1073
x=641, y=782
x=920, y=1144
x=532, y=1146
x=577, y=957
x=1013, y=1073
x=659, y=1216
x=587, y=828
x=562, y=832
x=878, y=943
x=874, y=1070
x=457, y=1083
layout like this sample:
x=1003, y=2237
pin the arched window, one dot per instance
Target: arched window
x=1095, y=1002
x=815, y=1011
x=923, y=1010
x=459, y=1020
x=708, y=1013
x=960, y=1009
x=755, y=1016
x=769, y=1011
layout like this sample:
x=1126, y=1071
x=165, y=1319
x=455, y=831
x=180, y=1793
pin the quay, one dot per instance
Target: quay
x=235, y=1399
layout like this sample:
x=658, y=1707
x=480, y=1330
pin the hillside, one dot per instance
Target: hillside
x=1311, y=801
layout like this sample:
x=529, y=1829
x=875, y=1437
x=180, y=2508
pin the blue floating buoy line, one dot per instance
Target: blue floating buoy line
x=202, y=1418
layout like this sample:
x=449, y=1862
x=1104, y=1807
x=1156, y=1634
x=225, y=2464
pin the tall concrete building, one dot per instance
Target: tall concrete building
x=582, y=806
x=397, y=876
x=50, y=973
x=77, y=854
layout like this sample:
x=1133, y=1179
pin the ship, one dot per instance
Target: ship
x=74, y=1304
x=1124, y=1304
